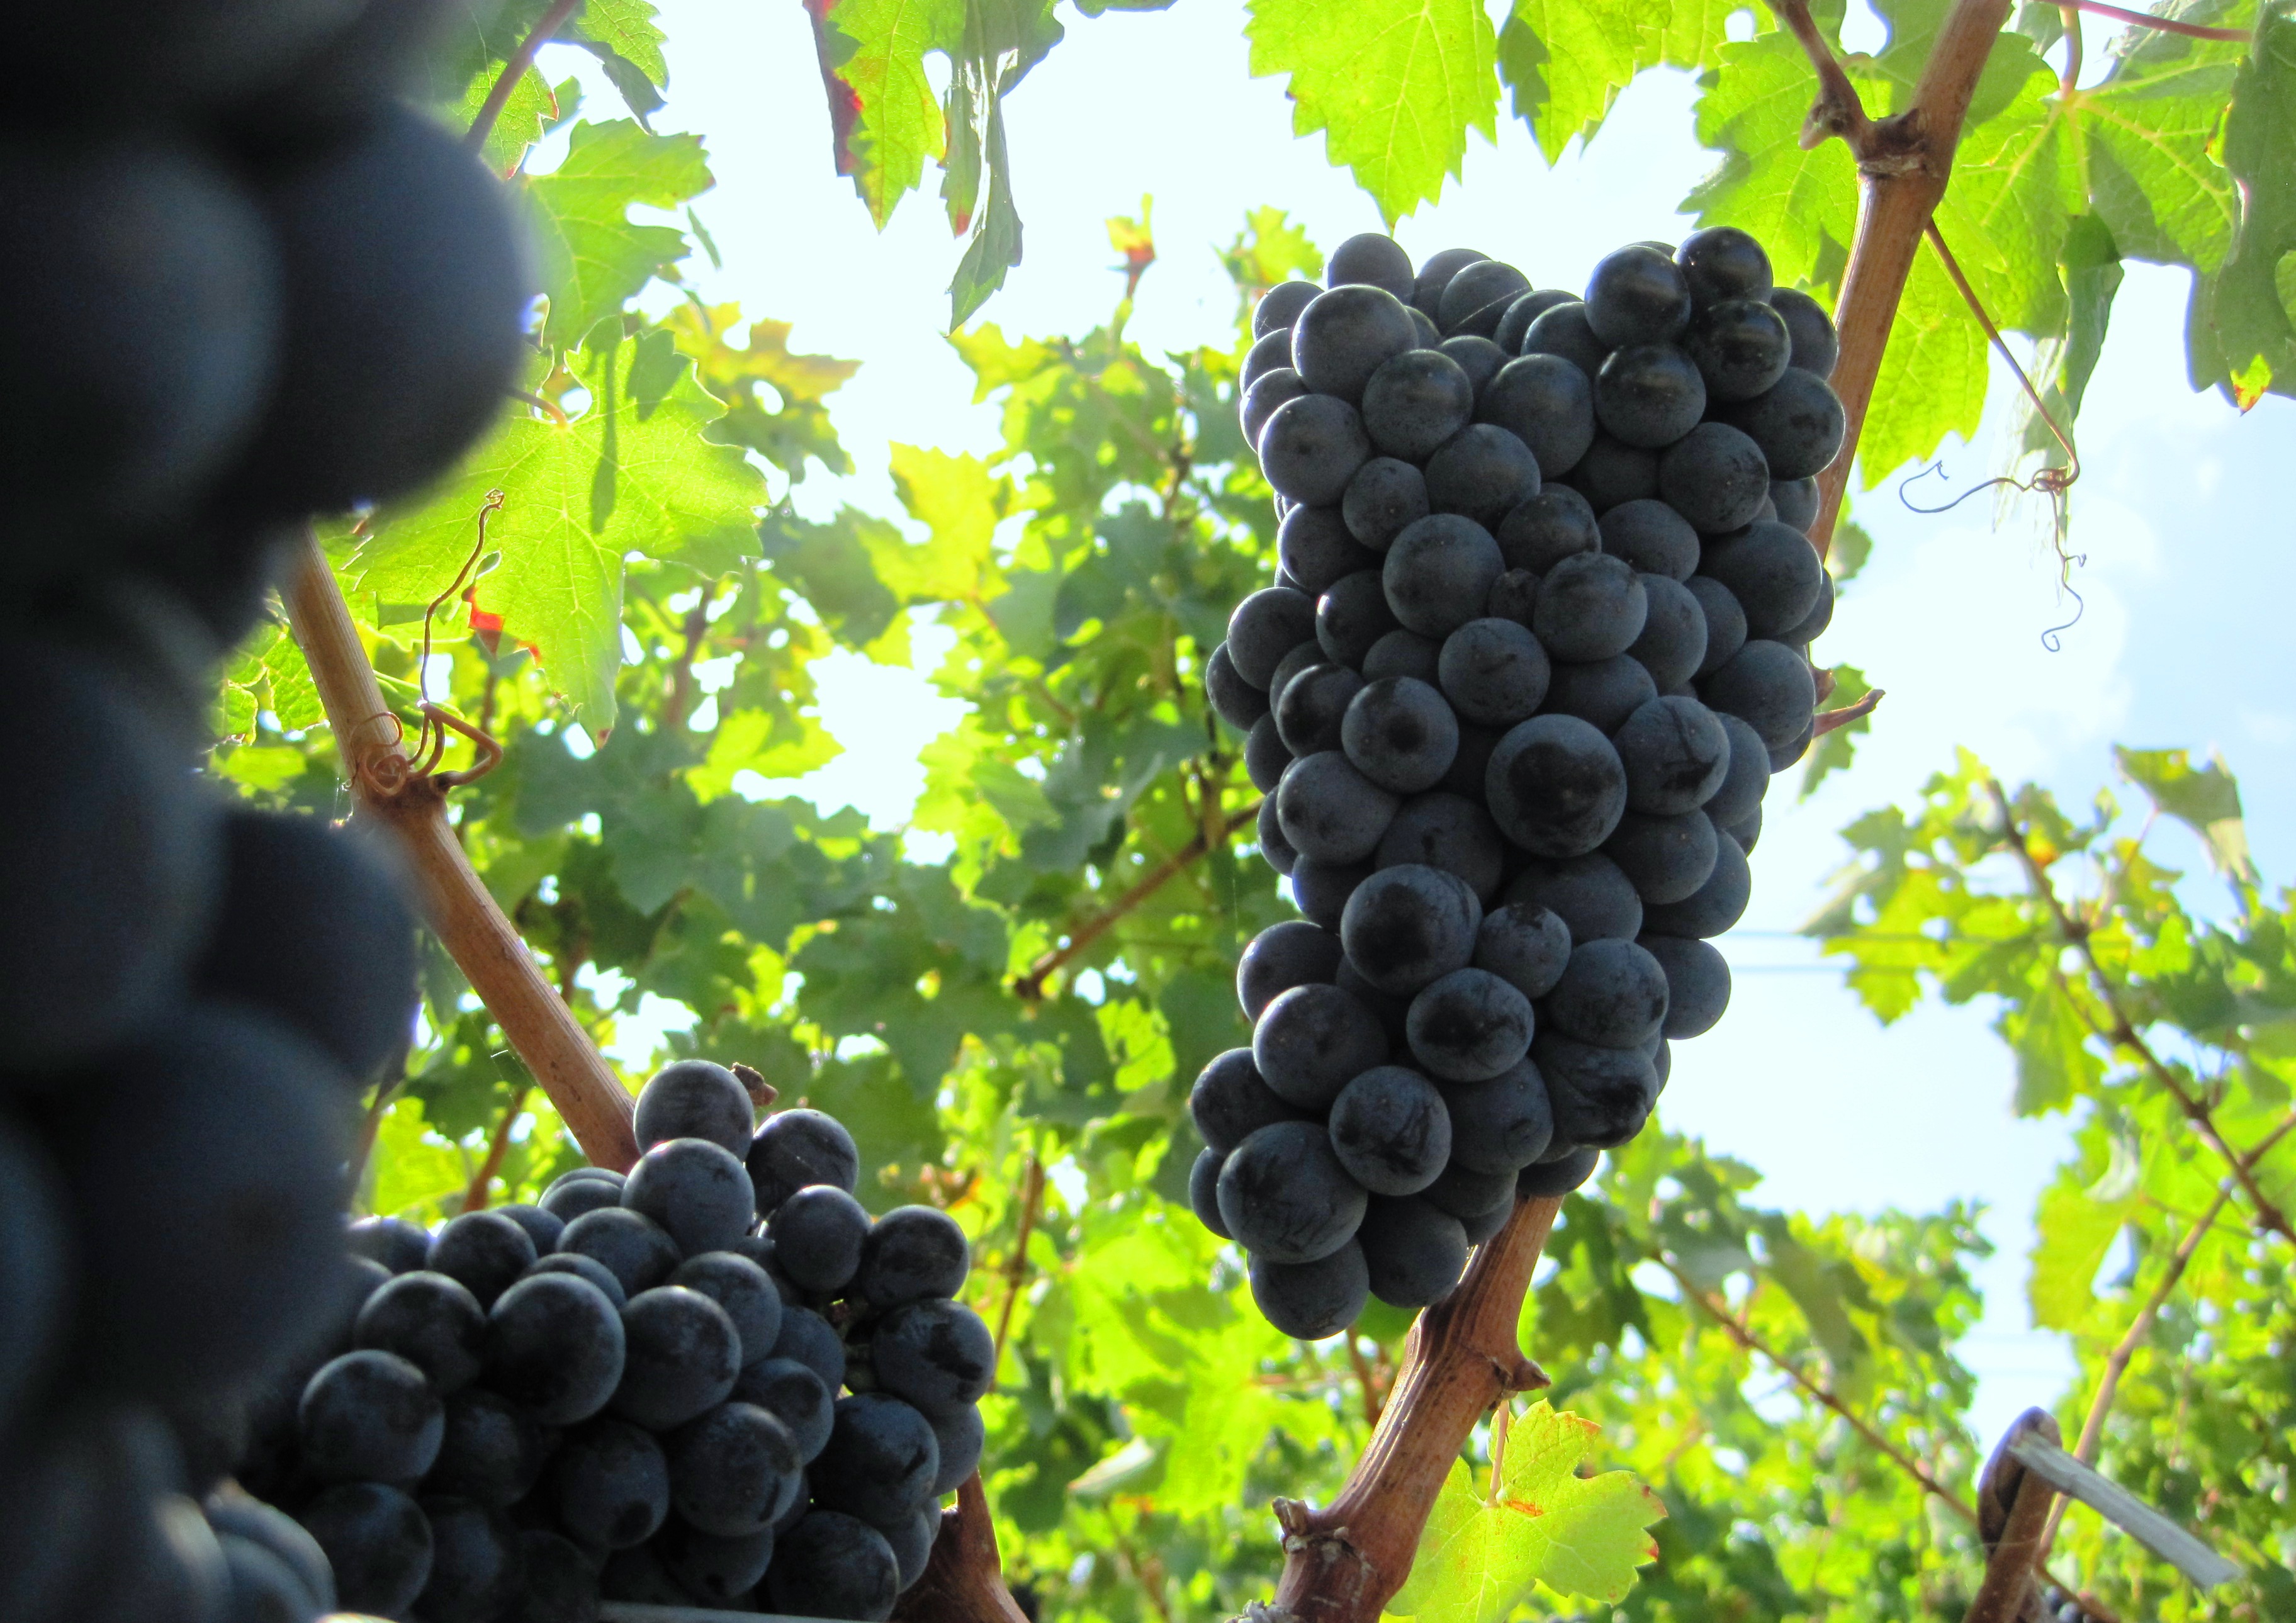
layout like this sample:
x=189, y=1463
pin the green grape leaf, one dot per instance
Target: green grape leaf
x=1394, y=85
x=625, y=30
x=775, y=397
x=2205, y=799
x=1579, y=1536
x=534, y=107
x=995, y=246
x=578, y=497
x=2074, y=1230
x=595, y=258
x=1270, y=248
x=2246, y=311
x=898, y=123
x=1601, y=45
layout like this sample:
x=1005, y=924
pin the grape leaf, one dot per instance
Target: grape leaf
x=1394, y=85
x=2205, y=799
x=594, y=259
x=625, y=29
x=2075, y=1231
x=2246, y=311
x=578, y=497
x=753, y=378
x=1602, y=45
x=1581, y=1535
x=898, y=119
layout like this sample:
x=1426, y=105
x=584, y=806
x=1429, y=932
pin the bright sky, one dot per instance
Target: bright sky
x=2182, y=515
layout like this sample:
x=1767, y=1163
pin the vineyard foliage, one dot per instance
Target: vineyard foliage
x=618, y=588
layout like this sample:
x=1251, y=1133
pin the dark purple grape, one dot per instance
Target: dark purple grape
x=1316, y=549
x=1293, y=953
x=1722, y=263
x=1548, y=404
x=1638, y=295
x=1672, y=645
x=818, y=1234
x=1403, y=653
x=1525, y=944
x=1262, y=397
x=1479, y=358
x=1352, y=617
x=1590, y=606
x=1330, y=812
x=1464, y=1192
x=682, y=1357
x=1816, y=346
x=1667, y=858
x=1269, y=353
x=831, y=1565
x=1407, y=926
x=1739, y=347
x=1652, y=537
x=1715, y=905
x=1280, y=307
x=794, y=1394
x=1513, y=597
x=1613, y=994
x=485, y=1251
x=1311, y=1040
x=1414, y=1253
x=1268, y=836
x=1772, y=572
x=1769, y=686
x=378, y=1545
x=1370, y=257
x=1564, y=331
x=1400, y=734
x=809, y=1339
x=493, y=1452
x=1484, y=1225
x=1482, y=472
x=430, y=1320
x=715, y=1571
x=1230, y=1101
x=630, y=1246
x=1502, y=1124
x=1285, y=1196
x=1812, y=626
x=935, y=1355
x=1613, y=472
x=1308, y=714
x=1436, y=274
x=742, y=1289
x=733, y=1470
x=1555, y=786
x=1795, y=501
x=609, y=1485
x=695, y=1099
x=583, y=1191
x=1555, y=524
x=1514, y=326
x=1594, y=898
x=369, y=1416
x=1559, y=1177
x=1449, y=831
x=556, y=1344
x=881, y=1462
x=1469, y=1027
x=396, y=1243
x=1312, y=1299
x=1385, y=497
x=1265, y=626
x=1798, y=423
x=1649, y=395
x=1676, y=753
x=1438, y=573
x=1345, y=335
x=1475, y=301
x=1601, y=1096
x=1697, y=984
x=1415, y=402
x=1321, y=889
x=795, y=1147
x=1726, y=622
x=1390, y=1130
x=1265, y=757
x=1739, y=796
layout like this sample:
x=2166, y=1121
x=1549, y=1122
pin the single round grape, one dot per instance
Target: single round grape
x=1414, y=1254
x=1547, y=404
x=1502, y=1123
x=1667, y=858
x=698, y=1192
x=1320, y=891
x=1613, y=994
x=1403, y=653
x=1555, y=524
x=1601, y=1096
x=1726, y=622
x=1436, y=274
x=1464, y=1192
x=1564, y=331
x=1385, y=497
x=632, y=1247
x=1265, y=757
x=1268, y=836
x=1769, y=686
x=1525, y=944
x=556, y=1343
x=794, y=1394
x=1482, y=472
x=485, y=1251
x=1741, y=348
x=1812, y=626
x=1309, y=715
x=831, y=1565
x=1514, y=326
x=407, y=289
x=236, y=1515
x=1407, y=926
x=1786, y=755
x=818, y=1234
x=1438, y=572
x=1266, y=626
x=1816, y=346
x=1722, y=263
x=1399, y=735
x=369, y=1416
x=1280, y=306
x=717, y=1571
x=432, y=1321
x=609, y=1485
x=1261, y=399
x=397, y=1244
x=1415, y=402
x=1449, y=831
x=1469, y=1027
x=1715, y=905
x=1555, y=786
x=1795, y=501
x=1772, y=572
x=1312, y=1300
x=1638, y=295
x=1352, y=616
x=1270, y=353
x=1798, y=423
x=1676, y=753
x=378, y=1545
x=1591, y=606
x=349, y=984
x=1293, y=953
x=1330, y=812
x=809, y=1339
x=1672, y=645
x=1479, y=358
x=795, y=1147
x=572, y=1197
x=1316, y=549
x=742, y=1289
x=1284, y=1194
x=1559, y=1177
x=1513, y=597
x=881, y=1462
x=1345, y=334
x=935, y=1355
x=493, y=1451
x=1203, y=1191
x=1230, y=1101
x=1591, y=895
x=682, y=1357
x=1744, y=780
x=541, y=1228
x=1369, y=257
x=1697, y=982
x=1390, y=1130
x=1649, y=395
x=1475, y=301
x=1613, y=472
x=1311, y=1040
x=695, y=1099
x=1652, y=537
x=1716, y=478
x=731, y=1470
x=912, y=1251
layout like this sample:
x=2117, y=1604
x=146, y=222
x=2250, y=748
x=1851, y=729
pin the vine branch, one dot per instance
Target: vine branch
x=514, y=69
x=457, y=905
x=2121, y=1031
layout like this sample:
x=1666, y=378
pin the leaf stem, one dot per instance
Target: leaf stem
x=1016, y=1266
x=2121, y=1031
x=2146, y=20
x=474, y=1198
x=515, y=69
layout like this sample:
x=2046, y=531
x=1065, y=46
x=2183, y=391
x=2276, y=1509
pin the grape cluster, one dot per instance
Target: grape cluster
x=638, y=1390
x=1538, y=637
x=245, y=283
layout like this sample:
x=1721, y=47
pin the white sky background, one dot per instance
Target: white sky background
x=2183, y=515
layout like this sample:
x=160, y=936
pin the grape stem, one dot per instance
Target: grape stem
x=963, y=1581
x=412, y=804
x=515, y=69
